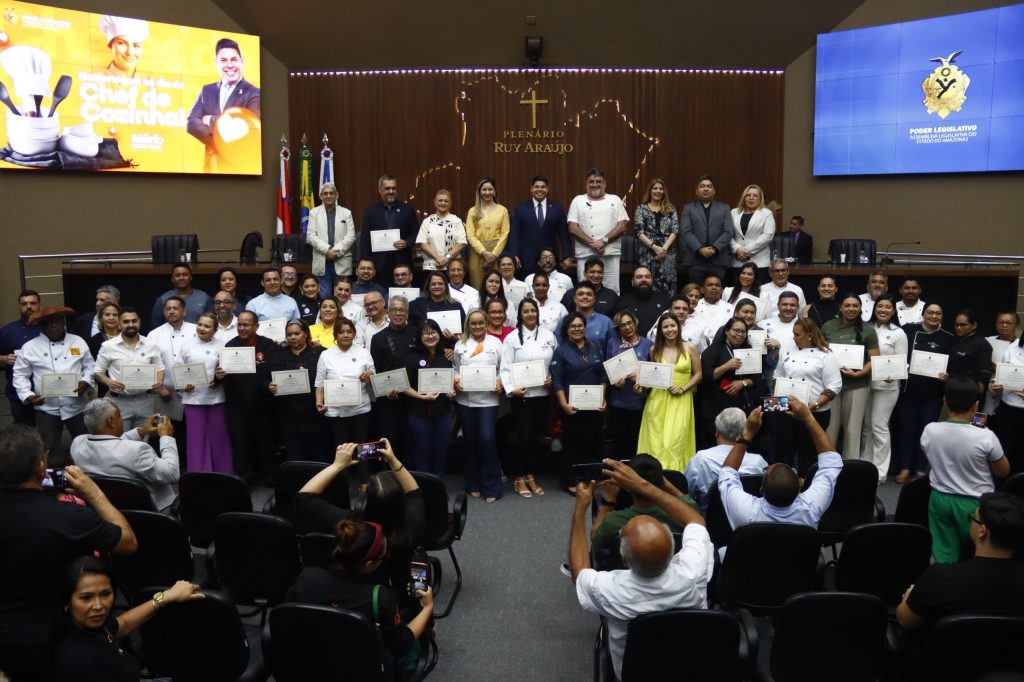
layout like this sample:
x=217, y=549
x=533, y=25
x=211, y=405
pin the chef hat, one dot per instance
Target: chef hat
x=134, y=30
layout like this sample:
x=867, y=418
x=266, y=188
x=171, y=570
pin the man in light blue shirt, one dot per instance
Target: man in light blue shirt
x=782, y=502
x=702, y=471
x=272, y=304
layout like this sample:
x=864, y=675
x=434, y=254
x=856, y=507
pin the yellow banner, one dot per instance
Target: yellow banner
x=143, y=96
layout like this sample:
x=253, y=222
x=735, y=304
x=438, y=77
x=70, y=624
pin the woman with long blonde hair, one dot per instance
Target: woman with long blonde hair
x=487, y=230
x=656, y=224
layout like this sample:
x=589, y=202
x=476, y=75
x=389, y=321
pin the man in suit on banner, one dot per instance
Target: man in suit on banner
x=231, y=91
x=537, y=224
x=706, y=233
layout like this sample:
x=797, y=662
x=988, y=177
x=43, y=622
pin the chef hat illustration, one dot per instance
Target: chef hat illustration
x=133, y=30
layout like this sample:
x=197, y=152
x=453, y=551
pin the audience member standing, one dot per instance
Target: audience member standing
x=626, y=406
x=442, y=236
x=332, y=234
x=303, y=433
x=970, y=355
x=656, y=225
x=1010, y=413
x=827, y=306
x=753, y=228
x=345, y=361
x=196, y=302
x=467, y=296
x=430, y=413
x=390, y=348
x=605, y=298
x=170, y=338
x=209, y=444
x=644, y=300
x=88, y=324
x=596, y=221
x=130, y=348
x=388, y=214
x=110, y=327
x=910, y=307
x=778, y=270
x=551, y=310
x=538, y=224
x=875, y=439
x=272, y=304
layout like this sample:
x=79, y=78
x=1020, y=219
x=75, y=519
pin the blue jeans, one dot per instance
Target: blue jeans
x=430, y=435
x=483, y=471
x=326, y=280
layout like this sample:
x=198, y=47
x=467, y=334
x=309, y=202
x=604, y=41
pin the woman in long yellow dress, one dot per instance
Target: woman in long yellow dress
x=487, y=231
x=668, y=429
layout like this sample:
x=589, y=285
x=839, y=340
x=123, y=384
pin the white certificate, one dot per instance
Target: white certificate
x=888, y=367
x=555, y=294
x=238, y=360
x=515, y=294
x=794, y=387
x=411, y=293
x=59, y=385
x=341, y=392
x=654, y=375
x=273, y=329
x=756, y=338
x=751, y=359
x=848, y=355
x=384, y=240
x=925, y=364
x=586, y=397
x=621, y=366
x=194, y=374
x=447, y=320
x=138, y=377
x=292, y=382
x=384, y=383
x=528, y=374
x=477, y=377
x=358, y=299
x=1010, y=376
x=441, y=380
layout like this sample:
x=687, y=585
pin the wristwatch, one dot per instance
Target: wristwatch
x=158, y=599
x=604, y=239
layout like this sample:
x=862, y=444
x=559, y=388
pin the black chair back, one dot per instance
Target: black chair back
x=782, y=245
x=289, y=477
x=912, y=505
x=124, y=493
x=883, y=559
x=164, y=555
x=167, y=247
x=852, y=251
x=305, y=642
x=256, y=557
x=1014, y=485
x=951, y=653
x=835, y=636
x=766, y=563
x=717, y=522
x=440, y=526
x=249, y=251
x=658, y=644
x=316, y=549
x=281, y=244
x=199, y=641
x=678, y=479
x=853, y=500
x=205, y=495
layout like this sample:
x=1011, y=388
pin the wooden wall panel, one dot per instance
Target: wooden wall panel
x=635, y=125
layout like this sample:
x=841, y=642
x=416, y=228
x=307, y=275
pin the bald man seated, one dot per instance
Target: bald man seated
x=656, y=578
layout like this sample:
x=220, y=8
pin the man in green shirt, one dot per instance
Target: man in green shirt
x=610, y=520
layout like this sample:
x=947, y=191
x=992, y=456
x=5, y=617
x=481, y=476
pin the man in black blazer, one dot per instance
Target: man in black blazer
x=537, y=224
x=803, y=243
x=389, y=214
x=706, y=233
x=232, y=90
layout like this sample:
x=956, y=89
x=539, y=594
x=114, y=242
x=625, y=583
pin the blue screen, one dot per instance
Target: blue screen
x=933, y=96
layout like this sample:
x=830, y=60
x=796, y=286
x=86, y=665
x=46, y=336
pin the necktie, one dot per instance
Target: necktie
x=540, y=213
x=225, y=92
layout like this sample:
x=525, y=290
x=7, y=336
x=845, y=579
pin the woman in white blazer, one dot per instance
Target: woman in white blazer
x=753, y=227
x=340, y=250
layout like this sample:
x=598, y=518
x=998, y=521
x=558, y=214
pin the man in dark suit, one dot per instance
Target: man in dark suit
x=389, y=214
x=87, y=325
x=231, y=91
x=537, y=224
x=706, y=232
x=803, y=243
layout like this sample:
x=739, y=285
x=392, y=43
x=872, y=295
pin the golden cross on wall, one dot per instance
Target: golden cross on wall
x=533, y=102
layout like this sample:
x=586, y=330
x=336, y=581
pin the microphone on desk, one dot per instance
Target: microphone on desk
x=888, y=259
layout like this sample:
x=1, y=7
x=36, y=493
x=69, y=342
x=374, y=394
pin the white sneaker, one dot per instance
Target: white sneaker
x=556, y=445
x=565, y=570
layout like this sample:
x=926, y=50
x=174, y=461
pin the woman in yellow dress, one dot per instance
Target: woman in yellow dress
x=487, y=230
x=668, y=429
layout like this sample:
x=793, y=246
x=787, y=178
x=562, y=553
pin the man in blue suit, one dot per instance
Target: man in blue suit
x=232, y=90
x=537, y=224
x=389, y=214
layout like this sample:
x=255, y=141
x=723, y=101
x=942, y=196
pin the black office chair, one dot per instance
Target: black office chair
x=316, y=549
x=883, y=559
x=249, y=251
x=716, y=520
x=255, y=557
x=441, y=527
x=167, y=248
x=695, y=644
x=201, y=640
x=289, y=477
x=967, y=647
x=861, y=252
x=853, y=501
x=1014, y=485
x=205, y=495
x=305, y=642
x=835, y=636
x=782, y=246
x=912, y=505
x=766, y=563
x=164, y=555
x=678, y=479
x=628, y=249
x=280, y=244
x=124, y=493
